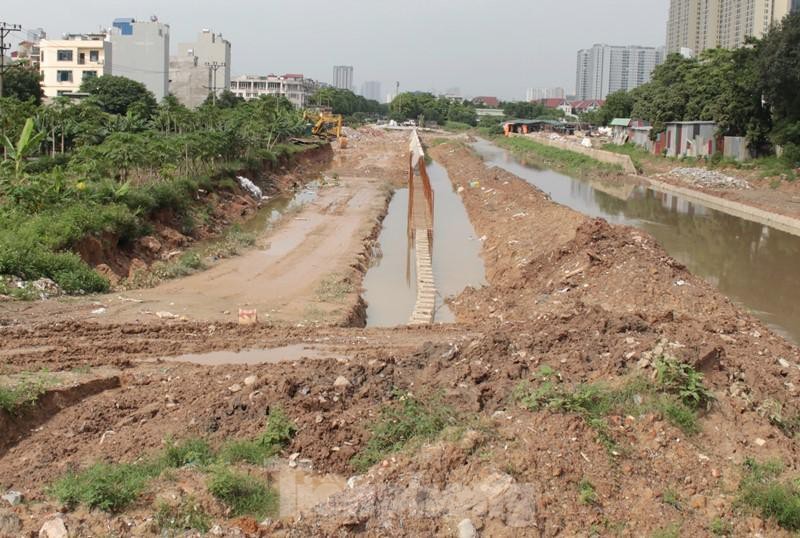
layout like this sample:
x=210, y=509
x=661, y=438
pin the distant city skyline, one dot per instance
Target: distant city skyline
x=470, y=47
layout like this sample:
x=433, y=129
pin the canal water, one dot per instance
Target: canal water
x=754, y=265
x=390, y=296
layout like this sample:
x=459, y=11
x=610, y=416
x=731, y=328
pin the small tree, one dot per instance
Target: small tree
x=116, y=95
x=28, y=142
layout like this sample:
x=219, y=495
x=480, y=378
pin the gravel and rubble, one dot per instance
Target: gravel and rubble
x=702, y=177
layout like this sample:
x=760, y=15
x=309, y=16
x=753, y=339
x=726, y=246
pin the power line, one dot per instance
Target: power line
x=213, y=67
x=5, y=30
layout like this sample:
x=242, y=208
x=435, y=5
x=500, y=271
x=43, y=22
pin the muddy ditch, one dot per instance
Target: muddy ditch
x=390, y=283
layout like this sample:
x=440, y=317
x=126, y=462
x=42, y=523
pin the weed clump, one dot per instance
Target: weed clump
x=107, y=487
x=587, y=494
x=243, y=494
x=277, y=434
x=188, y=452
x=24, y=394
x=188, y=515
x=400, y=423
x=762, y=489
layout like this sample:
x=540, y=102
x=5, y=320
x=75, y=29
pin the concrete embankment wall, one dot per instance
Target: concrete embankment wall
x=598, y=154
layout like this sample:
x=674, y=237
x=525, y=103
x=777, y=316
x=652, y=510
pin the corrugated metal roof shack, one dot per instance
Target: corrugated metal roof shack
x=692, y=139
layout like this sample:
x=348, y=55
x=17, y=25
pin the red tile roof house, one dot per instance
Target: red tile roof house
x=588, y=105
x=488, y=101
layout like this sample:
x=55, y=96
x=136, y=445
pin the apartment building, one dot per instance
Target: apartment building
x=66, y=63
x=537, y=94
x=605, y=69
x=343, y=77
x=295, y=87
x=697, y=25
x=141, y=53
x=371, y=90
x=209, y=48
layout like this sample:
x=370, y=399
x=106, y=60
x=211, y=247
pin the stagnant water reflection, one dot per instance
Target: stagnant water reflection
x=753, y=264
x=456, y=257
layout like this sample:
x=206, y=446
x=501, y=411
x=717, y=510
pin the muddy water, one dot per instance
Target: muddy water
x=752, y=264
x=273, y=209
x=301, y=490
x=457, y=264
x=256, y=356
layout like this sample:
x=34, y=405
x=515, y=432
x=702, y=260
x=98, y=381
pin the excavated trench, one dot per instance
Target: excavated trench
x=753, y=264
x=390, y=284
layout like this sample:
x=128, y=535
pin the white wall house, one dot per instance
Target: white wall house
x=65, y=63
x=294, y=87
x=141, y=53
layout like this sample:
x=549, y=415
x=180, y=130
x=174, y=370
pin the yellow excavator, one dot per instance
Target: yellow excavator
x=326, y=125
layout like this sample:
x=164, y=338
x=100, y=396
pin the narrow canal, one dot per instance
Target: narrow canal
x=754, y=265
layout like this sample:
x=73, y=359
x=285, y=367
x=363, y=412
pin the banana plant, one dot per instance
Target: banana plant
x=28, y=143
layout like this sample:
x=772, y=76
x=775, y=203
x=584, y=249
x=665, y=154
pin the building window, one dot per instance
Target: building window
x=89, y=74
x=81, y=58
x=64, y=55
x=94, y=56
x=64, y=76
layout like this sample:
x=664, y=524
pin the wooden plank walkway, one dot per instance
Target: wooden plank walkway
x=425, y=307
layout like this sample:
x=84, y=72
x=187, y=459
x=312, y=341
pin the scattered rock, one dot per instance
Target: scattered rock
x=166, y=315
x=466, y=529
x=341, y=382
x=53, y=528
x=137, y=266
x=13, y=497
x=236, y=387
x=250, y=380
x=698, y=502
x=760, y=442
x=708, y=178
x=150, y=243
x=784, y=363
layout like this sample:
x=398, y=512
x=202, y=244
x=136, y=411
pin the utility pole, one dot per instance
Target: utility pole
x=212, y=78
x=5, y=29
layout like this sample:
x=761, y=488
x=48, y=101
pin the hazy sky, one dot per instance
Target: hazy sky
x=483, y=47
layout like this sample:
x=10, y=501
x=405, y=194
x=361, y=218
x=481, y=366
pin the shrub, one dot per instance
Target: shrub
x=586, y=492
x=188, y=452
x=682, y=379
x=25, y=393
x=277, y=434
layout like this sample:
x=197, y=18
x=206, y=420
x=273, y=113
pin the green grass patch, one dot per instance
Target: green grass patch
x=636, y=153
x=23, y=393
x=107, y=487
x=587, y=494
x=188, y=515
x=678, y=393
x=407, y=419
x=243, y=494
x=670, y=531
x=720, y=527
x=763, y=490
x=457, y=127
x=564, y=160
x=277, y=434
x=188, y=452
x=671, y=498
x=113, y=487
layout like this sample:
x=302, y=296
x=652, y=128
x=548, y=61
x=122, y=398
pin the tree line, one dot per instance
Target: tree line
x=429, y=108
x=752, y=91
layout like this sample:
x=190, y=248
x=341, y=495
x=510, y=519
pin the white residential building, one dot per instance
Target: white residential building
x=188, y=80
x=537, y=94
x=343, y=77
x=141, y=53
x=295, y=87
x=66, y=62
x=706, y=24
x=209, y=49
x=605, y=69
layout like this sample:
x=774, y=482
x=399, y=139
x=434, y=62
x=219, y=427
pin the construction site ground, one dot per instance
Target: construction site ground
x=570, y=299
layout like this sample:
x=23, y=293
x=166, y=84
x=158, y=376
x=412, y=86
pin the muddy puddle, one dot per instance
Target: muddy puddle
x=290, y=353
x=301, y=490
x=390, y=296
x=274, y=208
x=751, y=263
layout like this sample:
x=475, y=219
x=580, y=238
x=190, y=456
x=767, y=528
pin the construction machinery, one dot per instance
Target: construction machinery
x=326, y=125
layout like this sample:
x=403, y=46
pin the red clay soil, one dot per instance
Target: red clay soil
x=592, y=301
